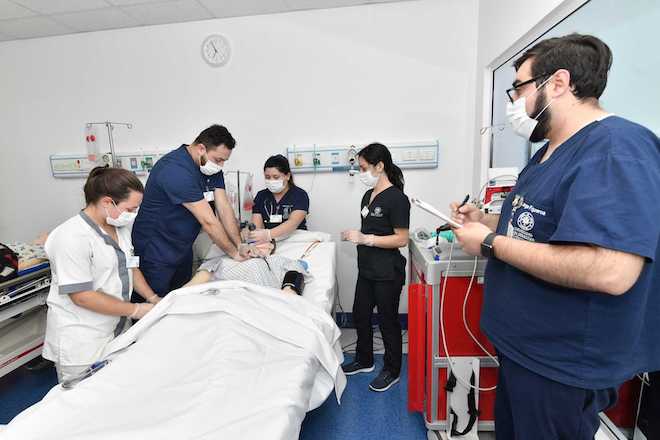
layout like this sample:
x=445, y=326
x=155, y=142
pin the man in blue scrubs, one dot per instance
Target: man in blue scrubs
x=572, y=293
x=177, y=205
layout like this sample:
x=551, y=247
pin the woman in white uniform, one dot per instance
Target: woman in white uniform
x=93, y=273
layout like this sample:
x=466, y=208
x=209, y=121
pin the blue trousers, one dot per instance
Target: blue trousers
x=163, y=278
x=531, y=407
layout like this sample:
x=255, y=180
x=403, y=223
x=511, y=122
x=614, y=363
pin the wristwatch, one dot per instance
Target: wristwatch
x=487, y=245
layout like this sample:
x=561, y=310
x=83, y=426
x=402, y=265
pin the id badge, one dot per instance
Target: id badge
x=132, y=262
x=209, y=196
x=365, y=212
x=275, y=218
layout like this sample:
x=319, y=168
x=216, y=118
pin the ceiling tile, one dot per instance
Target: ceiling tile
x=135, y=2
x=235, y=8
x=99, y=19
x=170, y=12
x=32, y=27
x=61, y=6
x=322, y=4
x=12, y=10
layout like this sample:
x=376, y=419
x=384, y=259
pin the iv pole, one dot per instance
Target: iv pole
x=110, y=126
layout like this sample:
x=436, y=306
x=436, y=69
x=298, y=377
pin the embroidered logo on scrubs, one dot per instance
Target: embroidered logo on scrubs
x=525, y=225
x=526, y=221
x=378, y=212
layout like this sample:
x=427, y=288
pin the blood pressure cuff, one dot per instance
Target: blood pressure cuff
x=8, y=263
x=295, y=280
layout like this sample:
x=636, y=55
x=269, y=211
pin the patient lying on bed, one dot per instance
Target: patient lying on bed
x=262, y=268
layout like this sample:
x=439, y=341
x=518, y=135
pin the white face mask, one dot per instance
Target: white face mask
x=125, y=218
x=275, y=185
x=368, y=179
x=523, y=125
x=210, y=168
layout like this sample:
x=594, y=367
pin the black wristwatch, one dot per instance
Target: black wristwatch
x=487, y=245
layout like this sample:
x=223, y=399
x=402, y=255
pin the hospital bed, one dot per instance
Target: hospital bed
x=23, y=309
x=318, y=250
x=220, y=360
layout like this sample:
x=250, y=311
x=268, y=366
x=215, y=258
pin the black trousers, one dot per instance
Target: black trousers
x=163, y=279
x=385, y=296
x=530, y=406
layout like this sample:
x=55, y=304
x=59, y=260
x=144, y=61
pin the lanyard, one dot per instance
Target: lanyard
x=270, y=211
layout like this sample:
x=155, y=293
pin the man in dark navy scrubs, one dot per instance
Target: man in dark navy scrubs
x=177, y=205
x=572, y=292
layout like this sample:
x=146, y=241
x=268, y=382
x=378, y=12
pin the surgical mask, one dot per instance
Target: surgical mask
x=368, y=179
x=124, y=219
x=210, y=168
x=521, y=123
x=275, y=185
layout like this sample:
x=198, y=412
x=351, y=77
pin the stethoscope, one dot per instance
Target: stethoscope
x=270, y=211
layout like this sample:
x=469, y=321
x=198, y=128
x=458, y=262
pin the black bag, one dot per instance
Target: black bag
x=648, y=422
x=8, y=264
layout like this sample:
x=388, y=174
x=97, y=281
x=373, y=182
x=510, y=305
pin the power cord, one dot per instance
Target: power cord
x=442, y=325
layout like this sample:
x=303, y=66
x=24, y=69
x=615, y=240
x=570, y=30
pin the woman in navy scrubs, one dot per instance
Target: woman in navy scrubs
x=385, y=218
x=282, y=207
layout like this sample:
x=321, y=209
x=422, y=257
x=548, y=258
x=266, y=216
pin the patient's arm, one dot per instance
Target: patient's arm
x=293, y=282
x=201, y=277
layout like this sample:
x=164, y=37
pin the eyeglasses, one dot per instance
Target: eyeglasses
x=512, y=90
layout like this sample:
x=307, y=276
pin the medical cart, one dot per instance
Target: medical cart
x=428, y=362
x=23, y=317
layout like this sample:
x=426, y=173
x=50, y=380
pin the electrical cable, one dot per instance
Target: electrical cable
x=442, y=325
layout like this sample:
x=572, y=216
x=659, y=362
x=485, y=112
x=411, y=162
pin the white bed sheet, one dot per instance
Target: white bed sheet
x=322, y=290
x=225, y=360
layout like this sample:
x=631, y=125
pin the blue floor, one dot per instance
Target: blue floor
x=22, y=388
x=363, y=414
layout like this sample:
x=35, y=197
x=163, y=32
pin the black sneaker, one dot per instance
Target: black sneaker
x=383, y=382
x=355, y=367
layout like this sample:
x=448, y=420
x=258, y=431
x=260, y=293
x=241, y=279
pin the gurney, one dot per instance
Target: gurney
x=22, y=308
x=224, y=360
x=317, y=249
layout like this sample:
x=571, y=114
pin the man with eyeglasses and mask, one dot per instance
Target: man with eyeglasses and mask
x=179, y=198
x=572, y=286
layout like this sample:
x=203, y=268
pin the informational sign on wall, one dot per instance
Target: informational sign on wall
x=341, y=158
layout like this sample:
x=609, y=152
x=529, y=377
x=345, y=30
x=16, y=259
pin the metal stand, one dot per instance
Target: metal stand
x=110, y=126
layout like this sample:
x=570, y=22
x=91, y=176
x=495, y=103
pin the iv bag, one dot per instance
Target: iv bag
x=93, y=149
x=248, y=199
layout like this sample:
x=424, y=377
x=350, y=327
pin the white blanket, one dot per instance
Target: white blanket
x=225, y=360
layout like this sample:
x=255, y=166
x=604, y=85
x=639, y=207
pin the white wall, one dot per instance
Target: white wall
x=501, y=24
x=389, y=72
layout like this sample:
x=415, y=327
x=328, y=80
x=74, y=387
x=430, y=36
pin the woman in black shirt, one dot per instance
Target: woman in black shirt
x=385, y=217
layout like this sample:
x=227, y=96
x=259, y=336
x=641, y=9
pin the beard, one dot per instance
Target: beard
x=543, y=127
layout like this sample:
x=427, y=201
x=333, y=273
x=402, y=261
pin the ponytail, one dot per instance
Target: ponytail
x=396, y=176
x=375, y=153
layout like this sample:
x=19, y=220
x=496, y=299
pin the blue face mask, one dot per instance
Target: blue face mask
x=304, y=264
